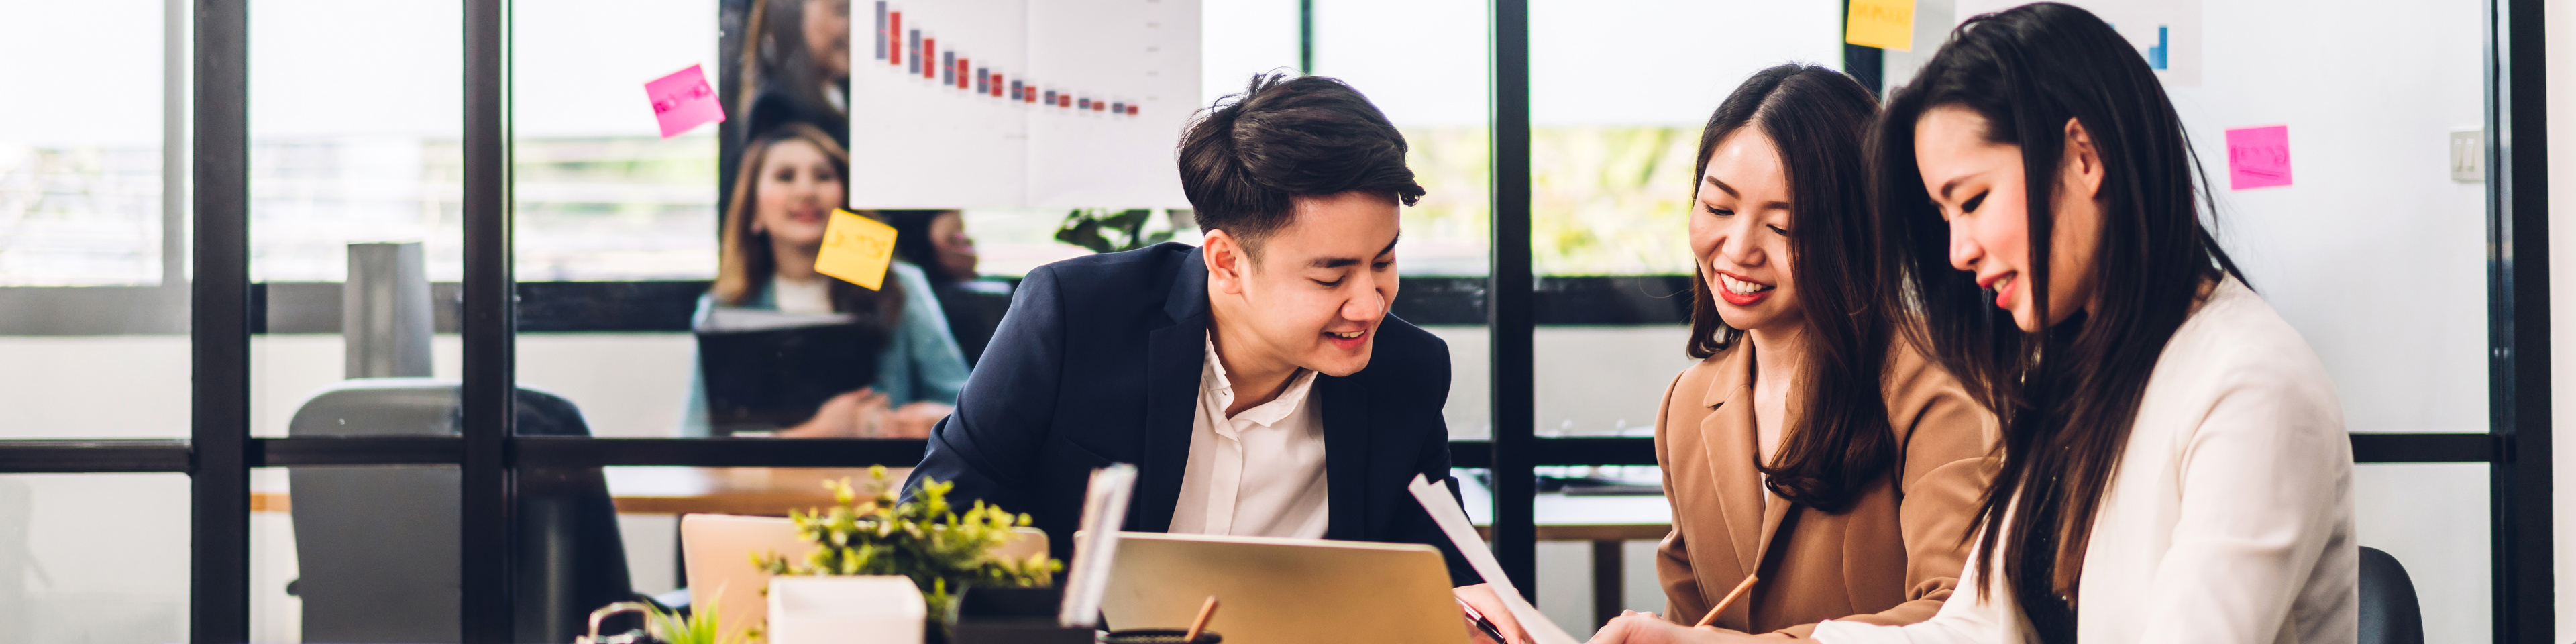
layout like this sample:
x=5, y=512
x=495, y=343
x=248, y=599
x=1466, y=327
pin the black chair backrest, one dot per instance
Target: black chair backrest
x=376, y=547
x=2389, y=614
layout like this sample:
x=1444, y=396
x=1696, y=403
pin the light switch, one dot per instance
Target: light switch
x=2469, y=156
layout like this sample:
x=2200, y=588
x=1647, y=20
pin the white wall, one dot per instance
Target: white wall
x=99, y=558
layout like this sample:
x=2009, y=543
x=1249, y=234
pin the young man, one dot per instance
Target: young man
x=1256, y=382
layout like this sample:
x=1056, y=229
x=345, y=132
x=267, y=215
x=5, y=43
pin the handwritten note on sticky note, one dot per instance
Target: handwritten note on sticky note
x=2258, y=157
x=1885, y=24
x=683, y=101
x=856, y=249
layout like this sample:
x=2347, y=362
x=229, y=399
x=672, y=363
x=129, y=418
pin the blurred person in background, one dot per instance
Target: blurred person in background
x=773, y=229
x=936, y=240
x=795, y=67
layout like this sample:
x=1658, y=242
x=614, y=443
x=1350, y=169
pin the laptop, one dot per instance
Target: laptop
x=1284, y=591
x=716, y=550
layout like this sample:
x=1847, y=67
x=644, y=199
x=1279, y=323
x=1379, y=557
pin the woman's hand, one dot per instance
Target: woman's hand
x=915, y=420
x=1482, y=597
x=858, y=414
x=1633, y=627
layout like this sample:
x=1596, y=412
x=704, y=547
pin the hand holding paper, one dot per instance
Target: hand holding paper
x=1435, y=498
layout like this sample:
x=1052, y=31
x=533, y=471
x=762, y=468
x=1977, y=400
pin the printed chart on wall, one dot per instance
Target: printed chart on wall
x=1020, y=103
x=2167, y=33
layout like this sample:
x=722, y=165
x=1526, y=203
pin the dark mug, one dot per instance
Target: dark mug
x=1158, y=636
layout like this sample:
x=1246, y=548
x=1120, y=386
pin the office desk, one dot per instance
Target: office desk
x=1605, y=521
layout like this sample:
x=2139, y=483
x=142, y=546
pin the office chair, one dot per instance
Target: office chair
x=2389, y=614
x=377, y=546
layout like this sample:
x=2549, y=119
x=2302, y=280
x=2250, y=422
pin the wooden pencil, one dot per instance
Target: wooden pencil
x=1731, y=596
x=1206, y=611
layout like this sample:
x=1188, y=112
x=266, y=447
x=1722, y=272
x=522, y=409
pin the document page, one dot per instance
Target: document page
x=1435, y=498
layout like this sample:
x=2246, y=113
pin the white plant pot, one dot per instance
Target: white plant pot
x=865, y=609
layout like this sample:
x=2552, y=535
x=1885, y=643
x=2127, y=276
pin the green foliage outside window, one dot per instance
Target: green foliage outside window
x=1107, y=231
x=1605, y=200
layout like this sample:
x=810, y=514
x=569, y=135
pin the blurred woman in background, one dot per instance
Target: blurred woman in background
x=794, y=66
x=773, y=228
x=936, y=240
x=1811, y=447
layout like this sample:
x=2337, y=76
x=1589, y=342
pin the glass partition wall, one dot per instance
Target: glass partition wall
x=550, y=244
x=94, y=325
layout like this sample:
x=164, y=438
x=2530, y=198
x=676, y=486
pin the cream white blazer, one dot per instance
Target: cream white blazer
x=2229, y=520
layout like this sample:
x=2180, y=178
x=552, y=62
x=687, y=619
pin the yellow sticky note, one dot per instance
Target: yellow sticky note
x=1885, y=24
x=856, y=249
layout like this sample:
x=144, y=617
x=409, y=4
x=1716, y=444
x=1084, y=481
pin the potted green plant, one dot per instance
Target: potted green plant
x=926, y=539
x=665, y=627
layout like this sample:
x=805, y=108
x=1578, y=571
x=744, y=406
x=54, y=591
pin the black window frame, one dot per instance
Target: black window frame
x=220, y=452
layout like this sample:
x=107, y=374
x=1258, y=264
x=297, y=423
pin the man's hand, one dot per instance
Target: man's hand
x=915, y=420
x=1482, y=597
x=1633, y=627
x=858, y=414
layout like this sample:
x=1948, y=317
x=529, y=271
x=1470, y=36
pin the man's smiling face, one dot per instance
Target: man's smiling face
x=1314, y=291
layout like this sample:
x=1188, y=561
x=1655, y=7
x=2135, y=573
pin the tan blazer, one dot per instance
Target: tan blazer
x=1889, y=559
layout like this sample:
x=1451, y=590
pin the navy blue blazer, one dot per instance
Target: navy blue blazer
x=1098, y=361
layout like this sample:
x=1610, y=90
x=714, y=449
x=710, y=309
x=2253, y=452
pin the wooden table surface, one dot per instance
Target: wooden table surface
x=760, y=491
x=766, y=491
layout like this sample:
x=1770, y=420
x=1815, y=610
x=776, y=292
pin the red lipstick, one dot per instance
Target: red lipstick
x=2003, y=296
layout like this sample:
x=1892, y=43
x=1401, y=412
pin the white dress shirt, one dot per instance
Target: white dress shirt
x=1260, y=473
x=2229, y=518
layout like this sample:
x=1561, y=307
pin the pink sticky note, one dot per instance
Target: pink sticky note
x=2258, y=157
x=683, y=100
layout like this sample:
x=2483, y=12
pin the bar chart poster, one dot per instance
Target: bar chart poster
x=2166, y=32
x=1020, y=103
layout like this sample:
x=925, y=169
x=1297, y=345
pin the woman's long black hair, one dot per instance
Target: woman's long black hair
x=1839, y=441
x=2068, y=394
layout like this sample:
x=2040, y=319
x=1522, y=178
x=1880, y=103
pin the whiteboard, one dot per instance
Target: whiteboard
x=1062, y=103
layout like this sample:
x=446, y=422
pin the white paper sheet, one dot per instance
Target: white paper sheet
x=1104, y=507
x=1452, y=519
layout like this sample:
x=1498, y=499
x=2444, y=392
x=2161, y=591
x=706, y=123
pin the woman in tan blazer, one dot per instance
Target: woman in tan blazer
x=1811, y=446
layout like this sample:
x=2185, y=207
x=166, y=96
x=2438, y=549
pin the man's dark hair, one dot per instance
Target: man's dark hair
x=1306, y=136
